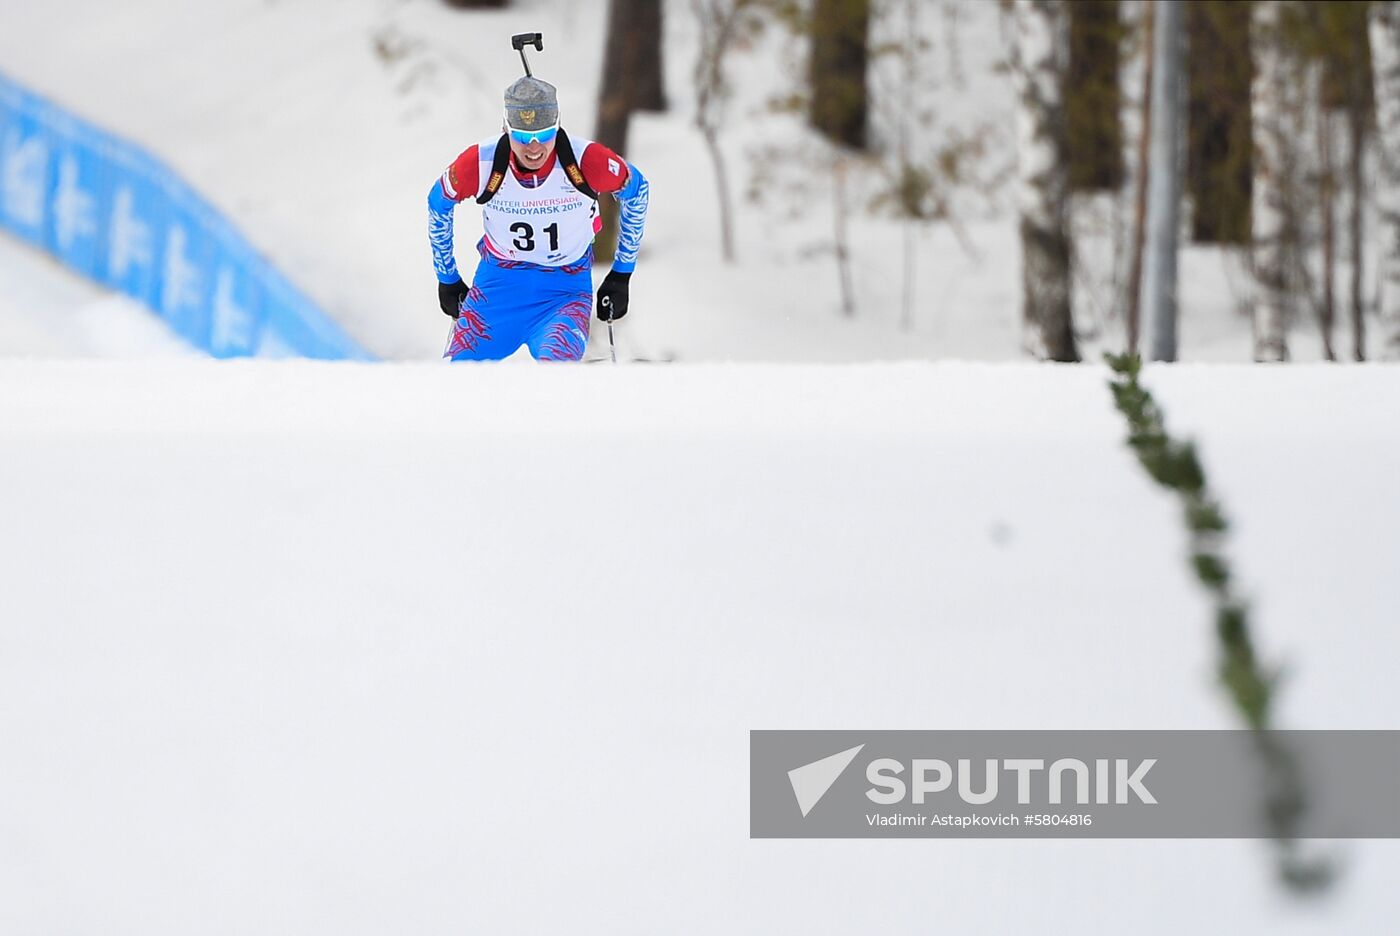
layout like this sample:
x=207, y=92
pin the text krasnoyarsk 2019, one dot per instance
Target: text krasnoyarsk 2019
x=1084, y=784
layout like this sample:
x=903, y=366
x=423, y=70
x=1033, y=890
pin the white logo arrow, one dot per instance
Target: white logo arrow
x=811, y=781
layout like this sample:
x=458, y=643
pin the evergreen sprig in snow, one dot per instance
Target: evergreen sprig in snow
x=1175, y=465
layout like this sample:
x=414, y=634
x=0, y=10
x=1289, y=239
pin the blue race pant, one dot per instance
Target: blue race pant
x=510, y=304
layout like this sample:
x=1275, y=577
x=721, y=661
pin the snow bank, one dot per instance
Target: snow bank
x=293, y=647
x=46, y=311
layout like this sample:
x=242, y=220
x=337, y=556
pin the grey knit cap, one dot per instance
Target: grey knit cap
x=531, y=104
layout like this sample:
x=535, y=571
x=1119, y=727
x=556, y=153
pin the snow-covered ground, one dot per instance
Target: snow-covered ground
x=293, y=647
x=48, y=312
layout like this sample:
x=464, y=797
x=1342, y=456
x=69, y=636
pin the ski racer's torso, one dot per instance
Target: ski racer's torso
x=537, y=217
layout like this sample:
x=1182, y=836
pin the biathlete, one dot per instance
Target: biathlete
x=539, y=193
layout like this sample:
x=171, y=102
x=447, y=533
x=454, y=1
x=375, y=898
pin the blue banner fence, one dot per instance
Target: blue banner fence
x=120, y=217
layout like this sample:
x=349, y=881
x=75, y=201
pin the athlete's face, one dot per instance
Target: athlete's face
x=531, y=155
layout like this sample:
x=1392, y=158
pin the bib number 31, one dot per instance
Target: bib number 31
x=525, y=236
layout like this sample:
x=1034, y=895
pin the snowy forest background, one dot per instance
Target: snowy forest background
x=1285, y=148
x=834, y=180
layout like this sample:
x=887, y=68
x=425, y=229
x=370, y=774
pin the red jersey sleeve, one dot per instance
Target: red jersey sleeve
x=463, y=178
x=603, y=170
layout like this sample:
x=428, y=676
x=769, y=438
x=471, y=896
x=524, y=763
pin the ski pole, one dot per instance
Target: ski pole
x=612, y=348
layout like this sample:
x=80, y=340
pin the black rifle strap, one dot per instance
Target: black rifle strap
x=565, y=150
x=500, y=165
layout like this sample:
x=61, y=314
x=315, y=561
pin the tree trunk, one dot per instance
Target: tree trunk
x=1134, y=290
x=837, y=66
x=631, y=80
x=1356, y=124
x=1094, y=144
x=649, y=87
x=1041, y=44
x=1219, y=161
x=614, y=112
x=718, y=22
x=1385, y=57
x=1327, y=186
x=726, y=212
x=1164, y=194
x=1360, y=106
x=1094, y=133
x=910, y=52
x=1346, y=105
x=1271, y=98
x=840, y=219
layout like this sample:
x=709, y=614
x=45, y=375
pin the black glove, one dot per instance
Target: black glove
x=612, y=296
x=450, y=296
